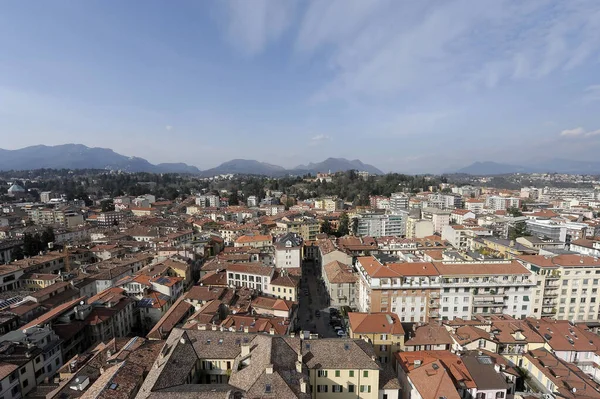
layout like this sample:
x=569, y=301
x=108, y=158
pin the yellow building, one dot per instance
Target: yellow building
x=383, y=330
x=341, y=368
x=36, y=281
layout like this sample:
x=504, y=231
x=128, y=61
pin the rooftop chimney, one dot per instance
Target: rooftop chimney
x=272, y=331
x=269, y=369
x=299, y=367
x=302, y=386
x=245, y=349
x=245, y=329
x=417, y=363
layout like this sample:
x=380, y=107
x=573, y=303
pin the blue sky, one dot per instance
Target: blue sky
x=408, y=86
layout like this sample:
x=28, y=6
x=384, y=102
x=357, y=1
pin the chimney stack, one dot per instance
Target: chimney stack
x=299, y=367
x=269, y=369
x=245, y=349
x=302, y=386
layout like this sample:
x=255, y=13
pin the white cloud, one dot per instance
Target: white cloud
x=319, y=139
x=169, y=127
x=579, y=132
x=382, y=48
x=251, y=25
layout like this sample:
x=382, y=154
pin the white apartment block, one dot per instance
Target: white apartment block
x=567, y=286
x=288, y=251
x=438, y=217
x=497, y=203
x=547, y=228
x=252, y=275
x=382, y=225
x=445, y=290
x=456, y=235
x=212, y=201
x=398, y=201
x=474, y=205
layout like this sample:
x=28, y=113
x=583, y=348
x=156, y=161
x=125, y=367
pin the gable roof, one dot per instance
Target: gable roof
x=380, y=323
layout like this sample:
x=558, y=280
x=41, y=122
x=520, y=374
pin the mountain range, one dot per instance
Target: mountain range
x=556, y=165
x=78, y=156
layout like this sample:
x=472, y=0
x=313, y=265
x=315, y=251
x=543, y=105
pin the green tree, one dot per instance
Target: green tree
x=513, y=211
x=344, y=225
x=517, y=230
x=17, y=254
x=107, y=205
x=326, y=227
x=47, y=236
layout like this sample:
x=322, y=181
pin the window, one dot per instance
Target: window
x=268, y=388
x=337, y=388
x=465, y=308
x=25, y=383
x=337, y=373
x=321, y=388
x=365, y=388
x=500, y=395
x=445, y=309
x=382, y=347
x=15, y=390
x=480, y=395
x=365, y=373
x=350, y=387
x=384, y=337
x=322, y=373
x=351, y=373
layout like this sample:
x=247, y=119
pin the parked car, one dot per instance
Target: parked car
x=338, y=328
x=317, y=313
x=342, y=334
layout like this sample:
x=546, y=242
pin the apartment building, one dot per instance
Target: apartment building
x=548, y=229
x=382, y=330
x=457, y=235
x=206, y=201
x=329, y=204
x=340, y=283
x=111, y=218
x=382, y=225
x=567, y=286
x=254, y=241
x=344, y=368
x=252, y=275
x=418, y=228
x=398, y=202
x=485, y=288
x=459, y=216
x=474, y=205
x=438, y=217
x=405, y=289
x=9, y=381
x=497, y=203
x=49, y=360
x=307, y=228
x=288, y=251
x=422, y=290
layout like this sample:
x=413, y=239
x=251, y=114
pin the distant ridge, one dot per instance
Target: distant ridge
x=339, y=165
x=556, y=165
x=79, y=156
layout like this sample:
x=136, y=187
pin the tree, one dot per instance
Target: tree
x=517, y=230
x=16, y=254
x=233, y=198
x=344, y=225
x=514, y=212
x=354, y=226
x=32, y=244
x=47, y=236
x=326, y=227
x=107, y=205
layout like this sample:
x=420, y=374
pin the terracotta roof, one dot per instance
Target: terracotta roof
x=381, y=323
x=272, y=303
x=339, y=273
x=561, y=260
x=493, y=269
x=175, y=315
x=250, y=268
x=245, y=239
x=430, y=334
x=50, y=315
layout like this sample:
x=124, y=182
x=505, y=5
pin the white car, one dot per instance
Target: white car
x=341, y=334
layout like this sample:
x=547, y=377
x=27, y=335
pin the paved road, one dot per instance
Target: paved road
x=315, y=300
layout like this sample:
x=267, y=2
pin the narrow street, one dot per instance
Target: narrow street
x=316, y=300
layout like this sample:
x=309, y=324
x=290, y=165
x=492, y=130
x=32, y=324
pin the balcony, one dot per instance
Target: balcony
x=434, y=305
x=434, y=295
x=512, y=350
x=434, y=314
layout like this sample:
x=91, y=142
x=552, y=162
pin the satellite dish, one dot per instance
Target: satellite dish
x=81, y=303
